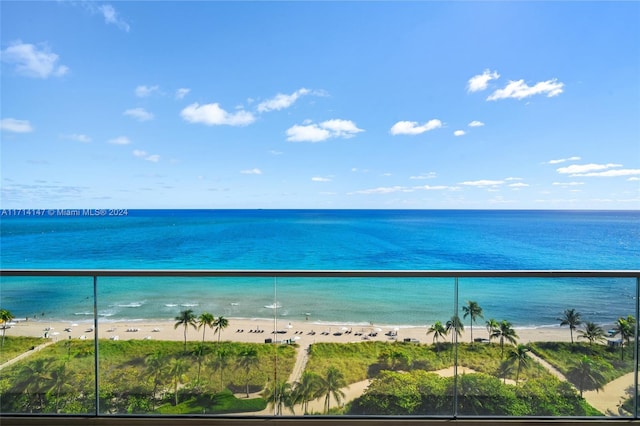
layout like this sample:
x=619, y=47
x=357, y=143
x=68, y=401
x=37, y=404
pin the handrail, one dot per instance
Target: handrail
x=321, y=273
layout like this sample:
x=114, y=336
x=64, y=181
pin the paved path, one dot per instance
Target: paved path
x=26, y=354
x=606, y=400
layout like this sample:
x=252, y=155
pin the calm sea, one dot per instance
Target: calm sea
x=323, y=239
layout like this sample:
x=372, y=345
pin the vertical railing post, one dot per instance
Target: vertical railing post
x=635, y=351
x=455, y=349
x=95, y=343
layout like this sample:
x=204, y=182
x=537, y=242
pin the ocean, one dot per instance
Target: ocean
x=321, y=240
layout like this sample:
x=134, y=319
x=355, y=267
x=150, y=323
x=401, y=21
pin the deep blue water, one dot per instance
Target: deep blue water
x=324, y=239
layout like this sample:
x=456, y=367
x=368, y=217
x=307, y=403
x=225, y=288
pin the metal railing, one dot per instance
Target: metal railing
x=97, y=274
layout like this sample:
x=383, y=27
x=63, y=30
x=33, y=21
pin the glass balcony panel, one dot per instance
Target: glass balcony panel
x=546, y=347
x=47, y=355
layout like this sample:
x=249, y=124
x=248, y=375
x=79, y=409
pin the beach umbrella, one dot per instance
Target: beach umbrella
x=378, y=329
x=296, y=337
x=344, y=328
x=289, y=325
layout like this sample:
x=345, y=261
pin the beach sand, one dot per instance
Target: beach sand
x=258, y=330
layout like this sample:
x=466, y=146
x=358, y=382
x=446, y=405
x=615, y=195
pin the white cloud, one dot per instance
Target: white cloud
x=16, y=126
x=482, y=183
x=512, y=178
x=121, y=140
x=429, y=175
x=139, y=114
x=586, y=168
x=383, y=190
x=563, y=160
x=154, y=158
x=459, y=133
x=567, y=183
x=633, y=179
x=520, y=90
x=412, y=127
x=479, y=82
x=518, y=185
x=213, y=115
x=111, y=17
x=77, y=137
x=611, y=173
x=320, y=179
x=251, y=172
x=281, y=101
x=476, y=123
x=145, y=91
x=182, y=92
x=397, y=188
x=335, y=128
x=33, y=61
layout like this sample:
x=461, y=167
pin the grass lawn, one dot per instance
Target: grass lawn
x=16, y=345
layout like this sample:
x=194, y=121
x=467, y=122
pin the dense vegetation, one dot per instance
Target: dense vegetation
x=143, y=376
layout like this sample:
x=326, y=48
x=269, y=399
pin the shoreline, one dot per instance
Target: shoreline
x=257, y=330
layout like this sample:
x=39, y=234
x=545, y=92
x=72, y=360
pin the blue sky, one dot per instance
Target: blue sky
x=496, y=105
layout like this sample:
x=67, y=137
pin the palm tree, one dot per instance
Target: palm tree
x=279, y=395
x=186, y=318
x=586, y=375
x=472, y=310
x=504, y=332
x=456, y=325
x=248, y=360
x=592, y=332
x=220, y=323
x=504, y=369
x=60, y=381
x=5, y=318
x=330, y=386
x=199, y=352
x=307, y=389
x=572, y=319
x=492, y=325
x=439, y=332
x=155, y=364
x=625, y=328
x=205, y=320
x=177, y=371
x=519, y=355
x=220, y=362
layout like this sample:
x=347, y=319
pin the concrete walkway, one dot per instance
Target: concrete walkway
x=26, y=354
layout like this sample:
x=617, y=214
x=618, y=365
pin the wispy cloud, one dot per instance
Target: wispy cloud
x=459, y=133
x=479, y=82
x=563, y=160
x=139, y=114
x=482, y=183
x=213, y=115
x=281, y=101
x=15, y=125
x=77, y=137
x=320, y=179
x=476, y=123
x=111, y=16
x=154, y=158
x=251, y=172
x=518, y=185
x=120, y=140
x=182, y=92
x=610, y=173
x=520, y=90
x=398, y=188
x=567, y=184
x=430, y=175
x=143, y=91
x=586, y=168
x=413, y=128
x=336, y=128
x=33, y=61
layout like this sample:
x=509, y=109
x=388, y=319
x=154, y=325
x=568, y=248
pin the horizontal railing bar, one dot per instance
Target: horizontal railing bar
x=322, y=273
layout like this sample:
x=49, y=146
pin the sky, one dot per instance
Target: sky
x=327, y=105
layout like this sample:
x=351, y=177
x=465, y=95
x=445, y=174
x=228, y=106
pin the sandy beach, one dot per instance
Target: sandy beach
x=259, y=330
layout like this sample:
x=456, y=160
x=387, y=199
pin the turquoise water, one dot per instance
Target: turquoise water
x=323, y=239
